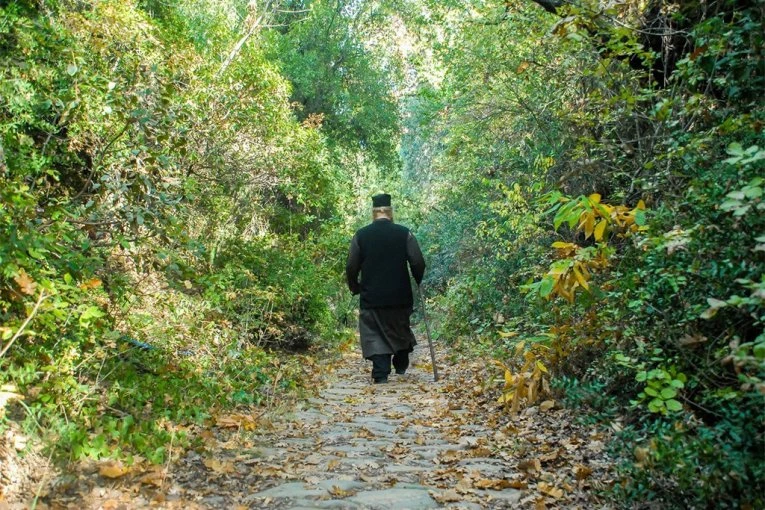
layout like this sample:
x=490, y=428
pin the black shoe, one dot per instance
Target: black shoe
x=400, y=372
x=381, y=380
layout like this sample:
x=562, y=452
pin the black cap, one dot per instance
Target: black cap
x=381, y=200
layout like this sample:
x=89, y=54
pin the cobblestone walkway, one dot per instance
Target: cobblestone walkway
x=408, y=444
x=358, y=445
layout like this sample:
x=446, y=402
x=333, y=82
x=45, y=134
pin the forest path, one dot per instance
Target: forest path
x=407, y=444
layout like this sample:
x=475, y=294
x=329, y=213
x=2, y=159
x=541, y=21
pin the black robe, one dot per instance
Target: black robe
x=384, y=326
x=385, y=331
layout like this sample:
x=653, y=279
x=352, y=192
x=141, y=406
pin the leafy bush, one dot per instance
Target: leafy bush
x=645, y=156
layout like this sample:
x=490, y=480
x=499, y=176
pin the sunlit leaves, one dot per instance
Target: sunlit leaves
x=524, y=385
x=589, y=216
x=25, y=282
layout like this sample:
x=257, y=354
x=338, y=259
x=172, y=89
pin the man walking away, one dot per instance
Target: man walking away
x=381, y=251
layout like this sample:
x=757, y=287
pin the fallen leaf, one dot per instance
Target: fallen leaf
x=365, y=433
x=481, y=451
x=237, y=421
x=549, y=456
x=641, y=454
x=220, y=466
x=581, y=471
x=111, y=504
x=550, y=490
x=496, y=485
x=530, y=465
x=547, y=405
x=155, y=478
x=449, y=457
x=692, y=340
x=339, y=492
x=447, y=496
x=113, y=469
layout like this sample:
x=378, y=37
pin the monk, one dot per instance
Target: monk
x=384, y=253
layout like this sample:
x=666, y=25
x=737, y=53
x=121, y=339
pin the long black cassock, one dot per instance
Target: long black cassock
x=381, y=252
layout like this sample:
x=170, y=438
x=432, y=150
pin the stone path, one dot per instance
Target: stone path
x=364, y=446
x=408, y=444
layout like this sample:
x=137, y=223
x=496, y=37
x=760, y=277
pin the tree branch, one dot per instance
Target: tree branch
x=256, y=24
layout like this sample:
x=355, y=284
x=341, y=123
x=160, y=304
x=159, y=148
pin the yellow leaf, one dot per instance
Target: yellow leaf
x=600, y=229
x=506, y=398
x=113, y=469
x=519, y=347
x=589, y=225
x=541, y=366
x=595, y=198
x=507, y=334
x=562, y=246
x=93, y=283
x=508, y=378
x=580, y=277
x=522, y=67
x=531, y=390
x=497, y=484
x=641, y=205
x=550, y=490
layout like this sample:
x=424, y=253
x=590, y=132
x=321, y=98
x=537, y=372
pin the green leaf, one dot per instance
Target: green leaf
x=735, y=149
x=546, y=287
x=676, y=383
x=71, y=69
x=674, y=405
x=651, y=392
x=656, y=405
x=668, y=393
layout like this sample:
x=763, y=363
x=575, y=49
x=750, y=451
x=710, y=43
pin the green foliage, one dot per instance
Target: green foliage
x=338, y=81
x=646, y=157
x=170, y=232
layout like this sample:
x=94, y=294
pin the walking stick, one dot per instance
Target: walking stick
x=427, y=332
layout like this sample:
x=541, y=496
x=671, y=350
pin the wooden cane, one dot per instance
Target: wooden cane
x=427, y=332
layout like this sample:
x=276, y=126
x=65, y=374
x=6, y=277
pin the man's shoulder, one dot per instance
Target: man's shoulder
x=378, y=224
